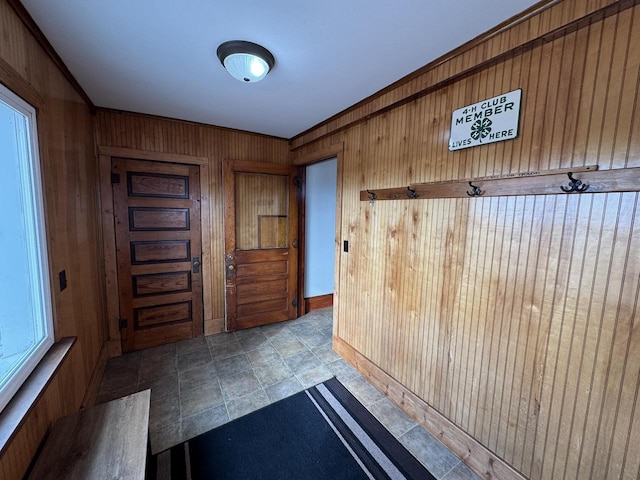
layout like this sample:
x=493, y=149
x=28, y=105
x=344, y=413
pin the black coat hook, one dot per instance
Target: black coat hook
x=411, y=193
x=475, y=192
x=575, y=185
x=372, y=196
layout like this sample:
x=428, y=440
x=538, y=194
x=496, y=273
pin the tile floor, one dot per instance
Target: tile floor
x=199, y=384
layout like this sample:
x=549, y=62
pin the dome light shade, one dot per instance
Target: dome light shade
x=245, y=61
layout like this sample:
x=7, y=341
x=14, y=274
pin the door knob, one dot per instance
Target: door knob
x=196, y=264
x=230, y=269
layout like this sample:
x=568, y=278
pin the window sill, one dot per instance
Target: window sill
x=18, y=408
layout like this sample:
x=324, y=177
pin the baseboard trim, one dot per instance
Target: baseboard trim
x=484, y=462
x=321, y=301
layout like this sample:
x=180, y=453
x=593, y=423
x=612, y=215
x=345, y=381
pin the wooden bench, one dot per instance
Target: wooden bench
x=108, y=441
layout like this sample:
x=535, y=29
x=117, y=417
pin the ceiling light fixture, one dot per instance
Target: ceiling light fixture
x=245, y=61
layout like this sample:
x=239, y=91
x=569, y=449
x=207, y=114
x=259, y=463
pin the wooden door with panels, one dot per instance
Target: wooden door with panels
x=158, y=250
x=261, y=256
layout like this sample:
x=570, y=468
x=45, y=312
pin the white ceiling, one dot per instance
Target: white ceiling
x=159, y=56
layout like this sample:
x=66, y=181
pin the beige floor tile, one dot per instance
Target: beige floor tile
x=202, y=383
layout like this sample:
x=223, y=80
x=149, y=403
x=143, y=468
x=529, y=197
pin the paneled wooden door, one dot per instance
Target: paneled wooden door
x=261, y=256
x=158, y=249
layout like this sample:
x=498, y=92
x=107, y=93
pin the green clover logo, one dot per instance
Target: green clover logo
x=481, y=128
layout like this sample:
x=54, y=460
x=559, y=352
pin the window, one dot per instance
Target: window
x=26, y=328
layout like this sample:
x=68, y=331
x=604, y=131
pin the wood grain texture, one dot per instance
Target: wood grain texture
x=538, y=25
x=261, y=280
x=475, y=455
x=152, y=138
x=91, y=393
x=15, y=413
x=69, y=172
x=158, y=235
x=315, y=303
x=105, y=441
x=30, y=24
x=147, y=251
x=515, y=318
x=573, y=182
x=308, y=158
x=260, y=201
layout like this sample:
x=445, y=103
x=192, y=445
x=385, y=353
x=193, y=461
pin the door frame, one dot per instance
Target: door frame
x=327, y=153
x=112, y=292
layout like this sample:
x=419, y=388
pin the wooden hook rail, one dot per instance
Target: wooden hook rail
x=551, y=182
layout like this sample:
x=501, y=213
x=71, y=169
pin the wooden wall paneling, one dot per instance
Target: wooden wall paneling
x=319, y=155
x=603, y=78
x=17, y=411
x=212, y=323
x=596, y=233
x=440, y=365
x=161, y=138
x=519, y=75
x=20, y=86
x=337, y=287
x=42, y=41
x=494, y=45
x=520, y=376
x=69, y=173
x=572, y=87
x=491, y=364
x=630, y=111
x=462, y=348
x=476, y=456
x=109, y=240
x=613, y=348
x=359, y=251
x=502, y=325
x=327, y=152
x=626, y=435
x=109, y=254
x=620, y=24
x=524, y=148
x=511, y=317
x=559, y=181
x=431, y=272
x=554, y=281
x=566, y=330
x=621, y=116
x=570, y=321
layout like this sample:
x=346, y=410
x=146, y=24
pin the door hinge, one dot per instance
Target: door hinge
x=122, y=323
x=295, y=302
x=297, y=181
x=115, y=177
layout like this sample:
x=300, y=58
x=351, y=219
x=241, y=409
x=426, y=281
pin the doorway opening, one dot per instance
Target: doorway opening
x=319, y=220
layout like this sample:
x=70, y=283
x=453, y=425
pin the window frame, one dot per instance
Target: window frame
x=38, y=265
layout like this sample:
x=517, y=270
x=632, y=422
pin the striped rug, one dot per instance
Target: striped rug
x=321, y=433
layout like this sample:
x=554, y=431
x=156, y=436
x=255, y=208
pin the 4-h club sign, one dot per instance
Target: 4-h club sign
x=492, y=120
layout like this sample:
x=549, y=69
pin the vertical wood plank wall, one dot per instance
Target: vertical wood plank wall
x=516, y=318
x=152, y=134
x=69, y=172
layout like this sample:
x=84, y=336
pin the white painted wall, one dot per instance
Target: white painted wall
x=320, y=228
